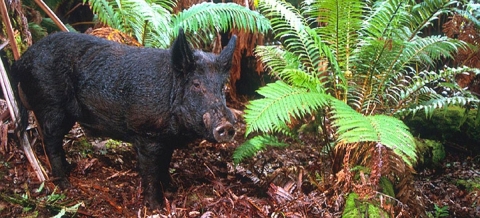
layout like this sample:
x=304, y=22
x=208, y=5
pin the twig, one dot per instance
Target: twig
x=52, y=15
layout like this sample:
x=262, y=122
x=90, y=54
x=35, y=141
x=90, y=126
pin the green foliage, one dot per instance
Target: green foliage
x=470, y=184
x=354, y=127
x=52, y=202
x=471, y=11
x=85, y=147
x=371, y=56
x=359, y=66
x=355, y=207
x=153, y=23
x=145, y=19
x=344, y=18
x=440, y=211
x=430, y=152
x=113, y=144
x=255, y=144
x=46, y=26
x=416, y=95
x=387, y=187
x=450, y=124
x=221, y=17
x=281, y=104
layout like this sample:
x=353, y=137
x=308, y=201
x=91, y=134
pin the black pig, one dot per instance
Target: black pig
x=153, y=98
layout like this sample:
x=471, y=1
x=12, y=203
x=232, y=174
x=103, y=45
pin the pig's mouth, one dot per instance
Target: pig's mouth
x=222, y=131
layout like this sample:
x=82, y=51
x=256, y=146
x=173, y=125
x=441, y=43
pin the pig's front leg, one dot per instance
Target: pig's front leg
x=154, y=162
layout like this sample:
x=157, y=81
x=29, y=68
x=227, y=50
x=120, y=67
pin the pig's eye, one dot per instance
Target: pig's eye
x=196, y=83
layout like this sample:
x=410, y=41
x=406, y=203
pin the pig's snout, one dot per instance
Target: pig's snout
x=224, y=132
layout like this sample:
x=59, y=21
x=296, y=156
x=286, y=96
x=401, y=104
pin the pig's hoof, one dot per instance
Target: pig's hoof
x=153, y=203
x=63, y=183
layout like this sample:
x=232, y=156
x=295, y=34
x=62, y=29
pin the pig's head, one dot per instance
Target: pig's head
x=201, y=79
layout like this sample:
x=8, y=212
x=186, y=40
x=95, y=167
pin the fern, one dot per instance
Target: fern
x=254, y=145
x=426, y=12
x=342, y=18
x=289, y=25
x=222, y=17
x=154, y=25
x=416, y=95
x=353, y=127
x=148, y=20
x=281, y=104
x=471, y=12
x=388, y=57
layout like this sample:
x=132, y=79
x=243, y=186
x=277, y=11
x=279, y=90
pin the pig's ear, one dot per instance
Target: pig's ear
x=182, y=54
x=225, y=57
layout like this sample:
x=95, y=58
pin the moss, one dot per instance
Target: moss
x=430, y=153
x=113, y=144
x=84, y=147
x=446, y=125
x=470, y=185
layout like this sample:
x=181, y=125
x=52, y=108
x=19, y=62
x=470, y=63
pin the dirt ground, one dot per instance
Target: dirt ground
x=276, y=183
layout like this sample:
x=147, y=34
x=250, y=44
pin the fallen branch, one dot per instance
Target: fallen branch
x=22, y=135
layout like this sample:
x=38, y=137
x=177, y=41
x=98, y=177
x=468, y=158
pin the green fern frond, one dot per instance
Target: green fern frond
x=353, y=127
x=276, y=59
x=250, y=147
x=280, y=104
x=221, y=16
x=341, y=20
x=385, y=18
x=426, y=12
x=429, y=106
x=299, y=78
x=105, y=11
x=415, y=94
x=471, y=12
x=427, y=51
x=286, y=66
x=145, y=19
x=152, y=22
x=289, y=25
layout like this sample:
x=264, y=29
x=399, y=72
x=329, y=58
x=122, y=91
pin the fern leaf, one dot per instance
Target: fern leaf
x=426, y=12
x=341, y=20
x=250, y=147
x=353, y=127
x=289, y=25
x=281, y=102
x=429, y=106
x=220, y=16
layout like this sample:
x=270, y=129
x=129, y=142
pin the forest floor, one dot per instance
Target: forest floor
x=276, y=183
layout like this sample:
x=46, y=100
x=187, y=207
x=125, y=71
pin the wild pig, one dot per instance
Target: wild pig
x=155, y=99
